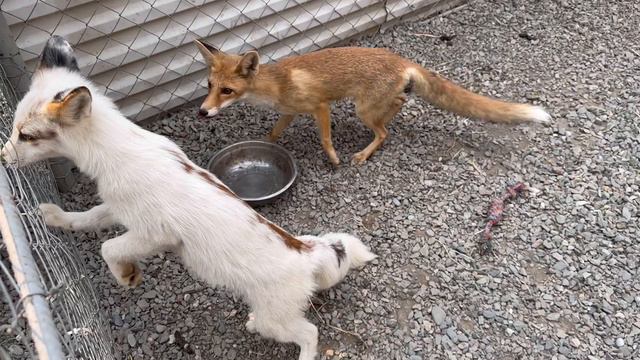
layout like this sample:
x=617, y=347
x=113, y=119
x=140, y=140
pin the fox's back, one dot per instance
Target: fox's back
x=336, y=73
x=345, y=60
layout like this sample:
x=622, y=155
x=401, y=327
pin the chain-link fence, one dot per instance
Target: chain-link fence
x=141, y=52
x=48, y=304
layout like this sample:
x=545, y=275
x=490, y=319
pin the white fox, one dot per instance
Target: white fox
x=167, y=203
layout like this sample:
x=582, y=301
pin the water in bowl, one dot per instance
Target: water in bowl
x=254, y=179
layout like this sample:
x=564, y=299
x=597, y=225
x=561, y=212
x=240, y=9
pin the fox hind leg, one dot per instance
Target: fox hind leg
x=372, y=119
x=251, y=323
x=295, y=329
x=278, y=313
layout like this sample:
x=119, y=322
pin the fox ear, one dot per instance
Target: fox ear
x=58, y=53
x=70, y=106
x=206, y=50
x=249, y=64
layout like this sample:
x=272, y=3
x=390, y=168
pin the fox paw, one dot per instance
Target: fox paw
x=54, y=216
x=359, y=158
x=251, y=323
x=131, y=276
x=333, y=157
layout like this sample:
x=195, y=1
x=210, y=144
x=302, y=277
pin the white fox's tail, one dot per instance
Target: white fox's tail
x=335, y=254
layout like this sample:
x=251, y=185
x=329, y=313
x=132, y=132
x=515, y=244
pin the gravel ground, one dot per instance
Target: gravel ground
x=562, y=282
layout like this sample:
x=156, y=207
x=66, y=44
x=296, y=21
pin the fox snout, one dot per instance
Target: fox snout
x=208, y=112
x=211, y=108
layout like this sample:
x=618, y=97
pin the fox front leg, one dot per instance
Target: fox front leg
x=96, y=218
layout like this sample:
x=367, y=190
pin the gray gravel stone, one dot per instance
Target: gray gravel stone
x=149, y=294
x=559, y=266
x=489, y=313
x=16, y=350
x=117, y=320
x=438, y=315
x=131, y=339
x=553, y=317
x=452, y=334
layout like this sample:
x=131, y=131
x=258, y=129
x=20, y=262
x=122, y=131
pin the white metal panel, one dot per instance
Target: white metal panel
x=140, y=53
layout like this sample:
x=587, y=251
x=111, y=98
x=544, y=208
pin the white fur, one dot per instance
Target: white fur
x=538, y=114
x=254, y=99
x=167, y=207
x=215, y=110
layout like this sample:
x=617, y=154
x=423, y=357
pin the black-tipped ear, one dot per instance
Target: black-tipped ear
x=207, y=51
x=70, y=106
x=212, y=49
x=58, y=53
x=249, y=64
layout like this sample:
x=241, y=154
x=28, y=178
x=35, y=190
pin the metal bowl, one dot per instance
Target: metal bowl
x=257, y=171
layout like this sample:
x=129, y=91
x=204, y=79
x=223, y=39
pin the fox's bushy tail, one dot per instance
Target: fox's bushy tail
x=446, y=95
x=334, y=254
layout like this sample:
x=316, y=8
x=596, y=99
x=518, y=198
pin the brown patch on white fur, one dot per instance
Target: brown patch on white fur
x=227, y=190
x=211, y=180
x=189, y=167
x=68, y=107
x=36, y=128
x=289, y=240
x=54, y=109
x=47, y=134
x=186, y=164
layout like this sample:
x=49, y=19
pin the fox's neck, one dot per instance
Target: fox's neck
x=266, y=85
x=107, y=142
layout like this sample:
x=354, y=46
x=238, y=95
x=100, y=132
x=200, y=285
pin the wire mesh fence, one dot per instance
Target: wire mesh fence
x=141, y=52
x=48, y=302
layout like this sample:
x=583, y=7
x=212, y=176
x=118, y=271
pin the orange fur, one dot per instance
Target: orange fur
x=376, y=79
x=54, y=109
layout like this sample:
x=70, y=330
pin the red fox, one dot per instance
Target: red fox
x=377, y=80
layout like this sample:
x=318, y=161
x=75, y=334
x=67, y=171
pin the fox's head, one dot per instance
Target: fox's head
x=57, y=101
x=229, y=78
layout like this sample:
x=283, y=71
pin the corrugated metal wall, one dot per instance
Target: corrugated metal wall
x=141, y=52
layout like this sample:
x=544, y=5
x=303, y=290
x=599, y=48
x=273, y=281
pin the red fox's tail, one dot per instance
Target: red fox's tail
x=449, y=96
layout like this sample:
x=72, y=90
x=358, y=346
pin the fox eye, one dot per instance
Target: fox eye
x=227, y=91
x=26, y=137
x=209, y=84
